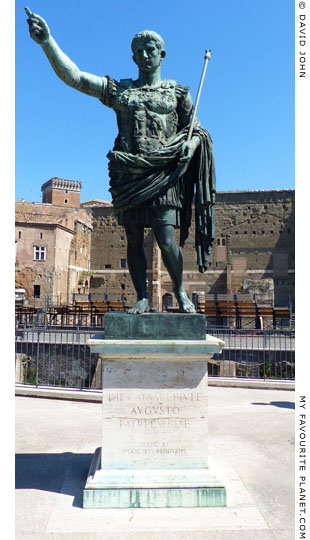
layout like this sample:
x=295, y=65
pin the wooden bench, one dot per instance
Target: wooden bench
x=227, y=308
x=266, y=313
x=173, y=309
x=116, y=305
x=281, y=313
x=246, y=310
x=83, y=312
x=98, y=310
x=83, y=304
x=25, y=314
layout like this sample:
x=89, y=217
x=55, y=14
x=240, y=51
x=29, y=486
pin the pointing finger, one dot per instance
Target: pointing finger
x=34, y=16
x=29, y=13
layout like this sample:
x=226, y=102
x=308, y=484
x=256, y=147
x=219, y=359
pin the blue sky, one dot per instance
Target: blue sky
x=247, y=102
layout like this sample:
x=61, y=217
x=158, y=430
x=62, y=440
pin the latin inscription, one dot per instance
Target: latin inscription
x=153, y=451
x=152, y=448
x=153, y=423
x=152, y=411
x=156, y=425
x=157, y=410
x=181, y=397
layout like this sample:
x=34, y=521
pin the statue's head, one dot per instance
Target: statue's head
x=146, y=43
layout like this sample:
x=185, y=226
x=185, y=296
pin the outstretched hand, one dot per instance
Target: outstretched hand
x=38, y=28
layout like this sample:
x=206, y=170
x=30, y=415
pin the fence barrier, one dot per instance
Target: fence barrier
x=90, y=314
x=62, y=357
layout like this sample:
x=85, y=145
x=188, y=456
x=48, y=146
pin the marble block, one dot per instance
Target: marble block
x=154, y=414
x=154, y=426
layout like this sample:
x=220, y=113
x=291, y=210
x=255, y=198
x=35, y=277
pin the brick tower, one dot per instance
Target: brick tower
x=62, y=192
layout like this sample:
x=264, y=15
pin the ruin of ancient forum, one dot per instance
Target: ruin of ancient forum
x=67, y=250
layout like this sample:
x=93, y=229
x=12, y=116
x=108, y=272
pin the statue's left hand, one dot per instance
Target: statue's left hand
x=187, y=151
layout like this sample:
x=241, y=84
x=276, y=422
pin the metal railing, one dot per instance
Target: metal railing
x=62, y=357
x=261, y=354
x=56, y=358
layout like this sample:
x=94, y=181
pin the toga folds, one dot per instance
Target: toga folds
x=144, y=171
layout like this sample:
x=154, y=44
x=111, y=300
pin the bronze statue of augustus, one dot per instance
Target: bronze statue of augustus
x=155, y=172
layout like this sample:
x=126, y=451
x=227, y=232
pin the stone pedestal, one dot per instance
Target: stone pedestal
x=155, y=427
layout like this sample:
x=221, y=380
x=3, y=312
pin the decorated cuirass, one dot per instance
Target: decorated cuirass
x=148, y=118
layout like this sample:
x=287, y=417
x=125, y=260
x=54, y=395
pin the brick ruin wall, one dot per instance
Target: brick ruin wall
x=79, y=259
x=254, y=239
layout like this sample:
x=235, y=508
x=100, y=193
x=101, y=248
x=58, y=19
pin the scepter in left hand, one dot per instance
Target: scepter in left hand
x=191, y=127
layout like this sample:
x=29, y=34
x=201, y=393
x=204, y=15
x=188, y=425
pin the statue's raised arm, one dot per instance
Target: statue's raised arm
x=161, y=158
x=66, y=70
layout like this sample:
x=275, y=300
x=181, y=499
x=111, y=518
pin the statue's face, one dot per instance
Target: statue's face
x=147, y=56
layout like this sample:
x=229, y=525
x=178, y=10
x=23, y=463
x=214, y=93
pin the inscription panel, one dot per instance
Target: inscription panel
x=154, y=414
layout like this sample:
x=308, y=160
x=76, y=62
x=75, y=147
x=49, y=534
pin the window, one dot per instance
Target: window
x=39, y=253
x=36, y=291
x=41, y=236
x=19, y=234
x=66, y=201
x=123, y=263
x=107, y=266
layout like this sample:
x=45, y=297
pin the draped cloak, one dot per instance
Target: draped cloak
x=137, y=179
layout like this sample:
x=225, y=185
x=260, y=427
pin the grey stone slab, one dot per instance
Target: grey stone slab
x=154, y=326
x=162, y=349
x=166, y=489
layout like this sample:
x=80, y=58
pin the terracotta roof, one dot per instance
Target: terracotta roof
x=96, y=202
x=47, y=214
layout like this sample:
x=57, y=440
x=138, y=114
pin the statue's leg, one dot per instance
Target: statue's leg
x=173, y=261
x=137, y=266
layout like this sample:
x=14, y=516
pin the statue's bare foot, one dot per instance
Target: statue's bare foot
x=142, y=306
x=185, y=305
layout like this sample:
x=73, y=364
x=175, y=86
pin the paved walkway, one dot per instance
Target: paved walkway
x=251, y=447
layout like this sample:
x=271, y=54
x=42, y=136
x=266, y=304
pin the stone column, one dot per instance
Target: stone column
x=154, y=288
x=228, y=283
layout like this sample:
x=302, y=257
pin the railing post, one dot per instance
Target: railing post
x=37, y=359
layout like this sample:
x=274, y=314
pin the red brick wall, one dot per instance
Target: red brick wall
x=59, y=196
